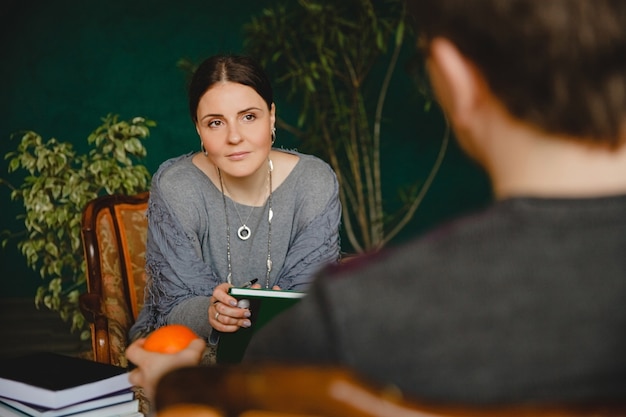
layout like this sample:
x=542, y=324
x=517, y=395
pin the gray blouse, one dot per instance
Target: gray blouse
x=186, y=255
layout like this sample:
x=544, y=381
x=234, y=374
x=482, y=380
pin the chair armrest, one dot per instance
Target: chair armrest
x=90, y=305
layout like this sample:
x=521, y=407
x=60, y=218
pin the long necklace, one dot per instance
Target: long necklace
x=270, y=214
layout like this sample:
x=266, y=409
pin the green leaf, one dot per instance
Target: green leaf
x=58, y=185
x=52, y=249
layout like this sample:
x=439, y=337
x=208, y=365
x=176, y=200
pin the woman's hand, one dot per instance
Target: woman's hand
x=224, y=315
x=151, y=366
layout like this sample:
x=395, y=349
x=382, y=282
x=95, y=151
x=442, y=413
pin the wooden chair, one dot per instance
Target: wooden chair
x=272, y=390
x=114, y=230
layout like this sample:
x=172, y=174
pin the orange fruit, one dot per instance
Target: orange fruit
x=171, y=338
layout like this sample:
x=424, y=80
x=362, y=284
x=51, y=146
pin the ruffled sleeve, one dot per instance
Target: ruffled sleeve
x=315, y=246
x=175, y=270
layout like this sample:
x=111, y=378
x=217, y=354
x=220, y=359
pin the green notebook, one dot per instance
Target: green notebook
x=264, y=305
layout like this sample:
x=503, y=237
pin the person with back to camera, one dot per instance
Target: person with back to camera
x=522, y=301
x=236, y=211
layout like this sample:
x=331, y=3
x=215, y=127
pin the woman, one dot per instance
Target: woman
x=237, y=211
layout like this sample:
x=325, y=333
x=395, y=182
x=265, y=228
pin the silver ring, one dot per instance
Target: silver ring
x=217, y=315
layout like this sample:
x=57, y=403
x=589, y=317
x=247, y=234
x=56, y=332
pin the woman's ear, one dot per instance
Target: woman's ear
x=456, y=82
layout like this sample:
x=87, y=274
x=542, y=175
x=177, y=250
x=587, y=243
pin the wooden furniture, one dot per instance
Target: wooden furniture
x=273, y=390
x=114, y=230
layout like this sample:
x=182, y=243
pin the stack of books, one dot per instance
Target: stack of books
x=54, y=385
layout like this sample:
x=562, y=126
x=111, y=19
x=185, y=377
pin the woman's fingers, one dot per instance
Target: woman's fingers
x=228, y=319
x=220, y=294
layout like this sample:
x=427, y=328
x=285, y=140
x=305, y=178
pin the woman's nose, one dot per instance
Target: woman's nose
x=234, y=136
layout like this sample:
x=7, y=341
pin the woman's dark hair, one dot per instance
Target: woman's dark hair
x=557, y=64
x=234, y=68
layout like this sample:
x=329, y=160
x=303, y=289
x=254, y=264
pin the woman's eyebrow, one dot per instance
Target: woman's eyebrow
x=248, y=109
x=211, y=115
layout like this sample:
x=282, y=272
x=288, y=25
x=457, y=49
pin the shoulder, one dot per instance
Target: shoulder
x=178, y=178
x=171, y=170
x=317, y=176
x=304, y=172
x=312, y=169
x=315, y=165
x=174, y=164
x=447, y=249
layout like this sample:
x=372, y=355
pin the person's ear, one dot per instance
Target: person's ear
x=455, y=79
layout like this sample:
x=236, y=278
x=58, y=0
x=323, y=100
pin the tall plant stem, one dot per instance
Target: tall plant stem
x=378, y=229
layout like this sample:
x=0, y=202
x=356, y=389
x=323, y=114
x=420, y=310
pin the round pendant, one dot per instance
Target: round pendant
x=244, y=232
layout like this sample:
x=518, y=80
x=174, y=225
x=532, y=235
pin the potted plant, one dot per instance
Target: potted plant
x=57, y=185
x=337, y=59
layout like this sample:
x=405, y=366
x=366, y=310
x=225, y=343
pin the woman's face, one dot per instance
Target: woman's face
x=235, y=128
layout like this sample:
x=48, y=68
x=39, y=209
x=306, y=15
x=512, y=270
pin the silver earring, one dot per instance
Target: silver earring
x=273, y=135
x=203, y=150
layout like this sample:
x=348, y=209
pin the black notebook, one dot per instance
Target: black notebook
x=54, y=380
x=264, y=305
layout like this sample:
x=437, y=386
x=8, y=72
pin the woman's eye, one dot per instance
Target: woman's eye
x=249, y=117
x=215, y=123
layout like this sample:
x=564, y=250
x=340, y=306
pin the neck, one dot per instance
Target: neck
x=251, y=190
x=531, y=163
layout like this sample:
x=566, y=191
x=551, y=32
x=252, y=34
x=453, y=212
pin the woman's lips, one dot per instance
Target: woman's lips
x=237, y=156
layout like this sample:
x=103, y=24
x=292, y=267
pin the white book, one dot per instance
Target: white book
x=37, y=411
x=7, y=411
x=114, y=410
x=240, y=292
x=125, y=409
x=55, y=381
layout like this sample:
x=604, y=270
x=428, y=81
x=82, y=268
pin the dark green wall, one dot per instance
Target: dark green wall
x=67, y=63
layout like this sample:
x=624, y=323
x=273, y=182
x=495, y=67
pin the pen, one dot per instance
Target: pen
x=249, y=283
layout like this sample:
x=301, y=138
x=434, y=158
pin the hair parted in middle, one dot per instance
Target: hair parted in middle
x=239, y=69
